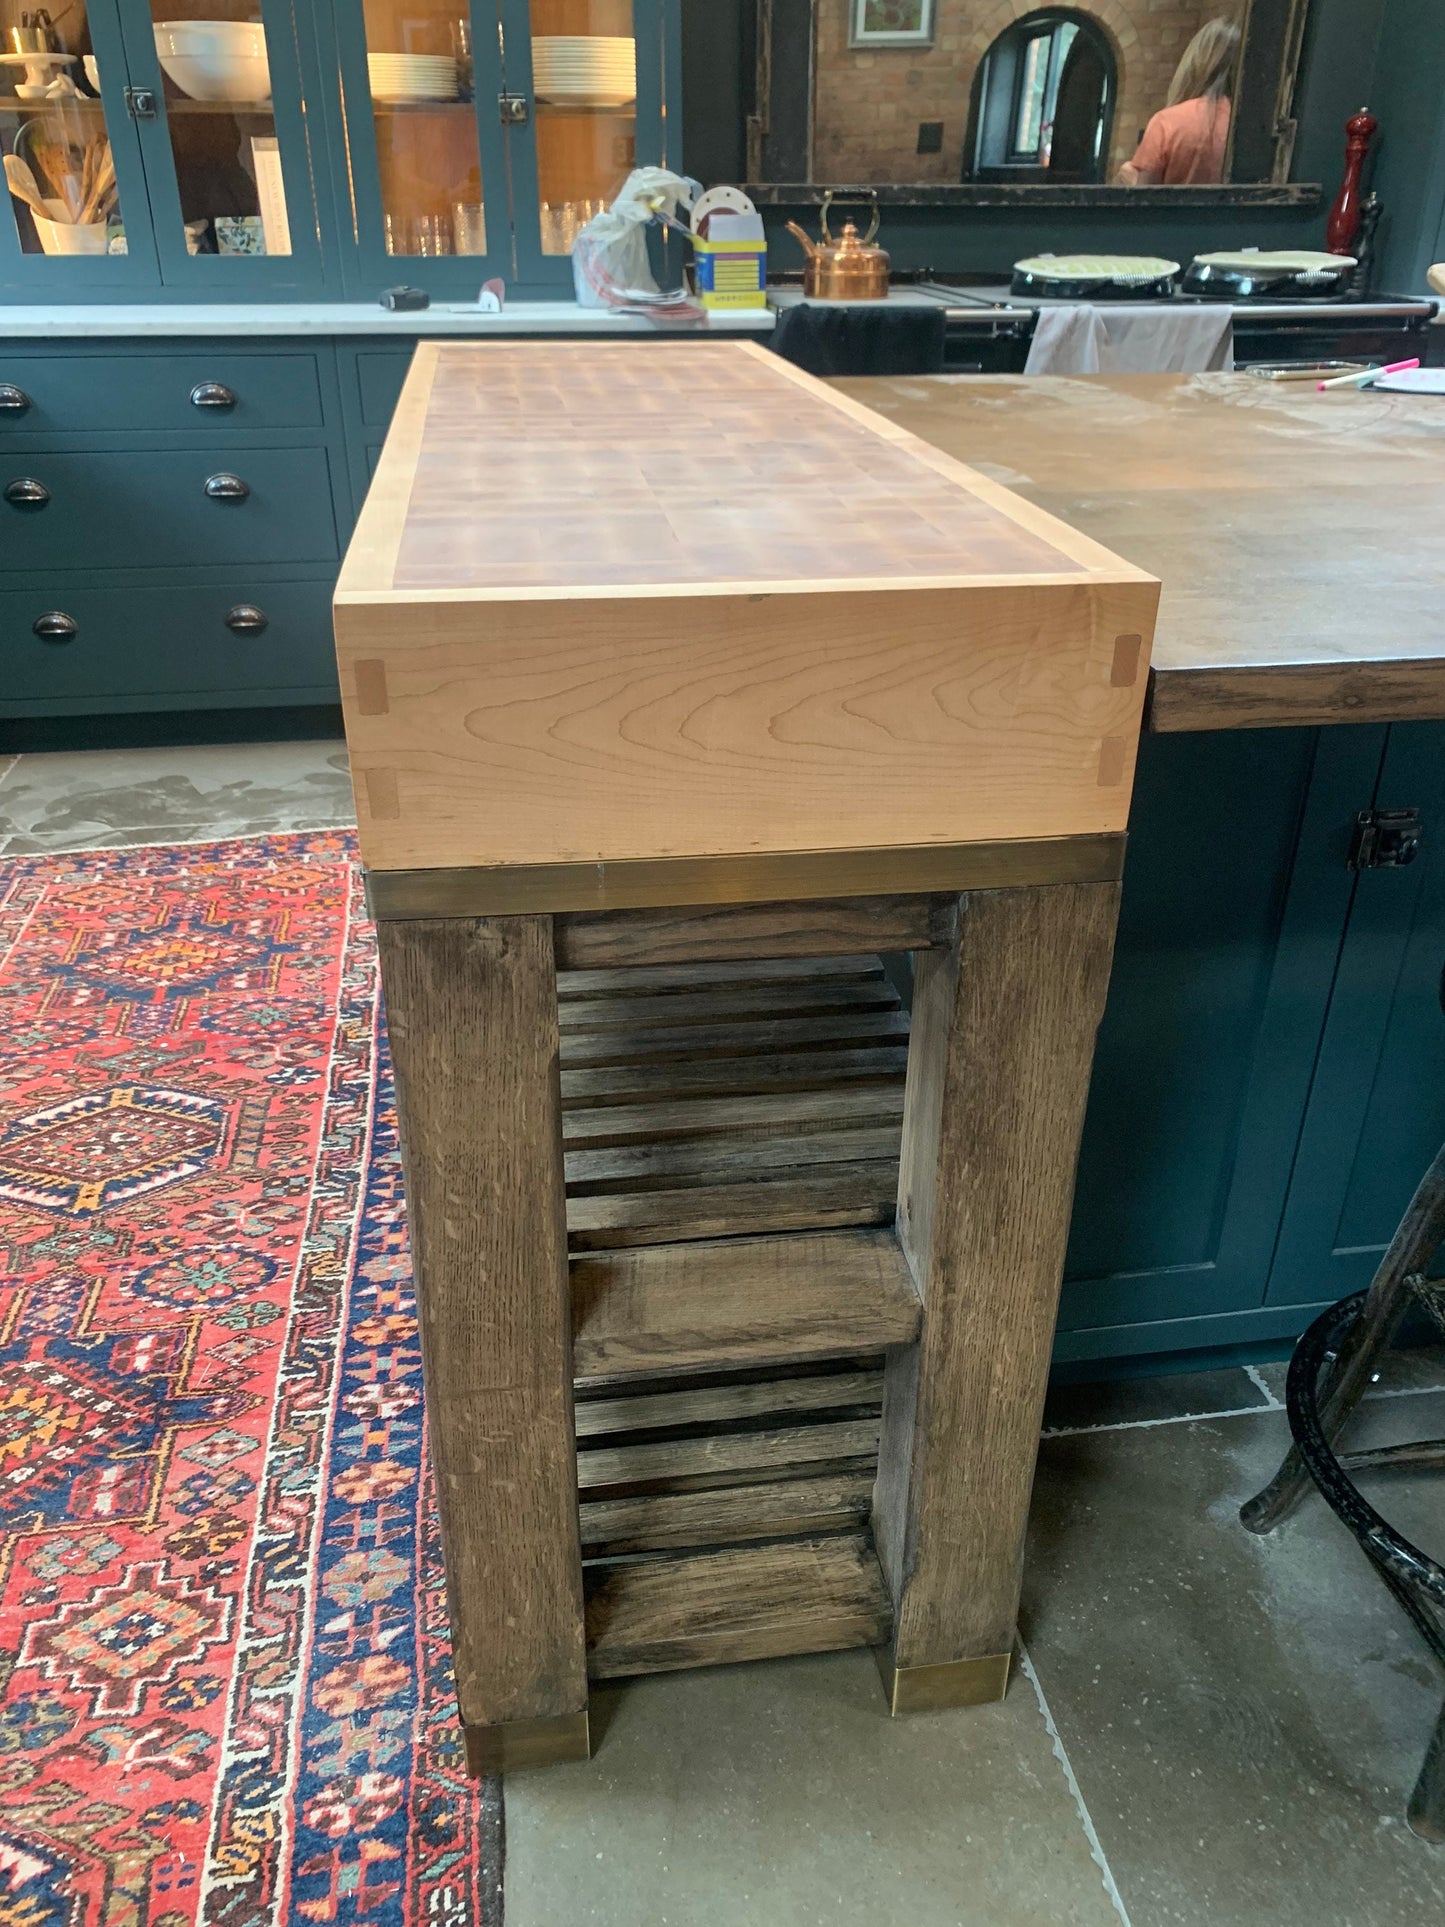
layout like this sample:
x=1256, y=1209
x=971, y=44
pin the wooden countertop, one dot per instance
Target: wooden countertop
x=1299, y=536
x=606, y=609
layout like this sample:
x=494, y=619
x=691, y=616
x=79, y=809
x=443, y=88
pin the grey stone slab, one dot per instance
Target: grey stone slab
x=77, y=799
x=1144, y=1401
x=782, y=1795
x=1245, y=1716
x=1418, y=1369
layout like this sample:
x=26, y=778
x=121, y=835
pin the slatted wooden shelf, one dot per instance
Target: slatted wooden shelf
x=710, y=1101
x=754, y=1602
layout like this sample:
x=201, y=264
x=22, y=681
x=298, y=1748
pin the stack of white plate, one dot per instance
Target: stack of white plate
x=412, y=76
x=585, y=70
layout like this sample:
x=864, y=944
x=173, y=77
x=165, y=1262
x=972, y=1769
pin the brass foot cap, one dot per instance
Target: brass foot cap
x=956, y=1682
x=514, y=1744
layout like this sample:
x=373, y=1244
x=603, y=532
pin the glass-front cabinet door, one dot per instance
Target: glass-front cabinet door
x=228, y=125
x=160, y=140
x=481, y=142
x=72, y=163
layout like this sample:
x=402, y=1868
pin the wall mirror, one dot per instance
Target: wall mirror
x=1015, y=96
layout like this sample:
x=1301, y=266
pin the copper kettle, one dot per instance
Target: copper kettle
x=848, y=269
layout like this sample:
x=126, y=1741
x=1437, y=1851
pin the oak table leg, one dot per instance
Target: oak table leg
x=472, y=1015
x=998, y=1074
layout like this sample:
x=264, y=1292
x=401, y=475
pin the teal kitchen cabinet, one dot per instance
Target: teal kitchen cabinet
x=1270, y=1077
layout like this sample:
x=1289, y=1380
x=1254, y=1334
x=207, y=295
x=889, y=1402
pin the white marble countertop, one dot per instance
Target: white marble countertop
x=348, y=318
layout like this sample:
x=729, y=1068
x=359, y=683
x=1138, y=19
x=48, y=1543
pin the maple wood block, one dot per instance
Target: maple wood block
x=607, y=605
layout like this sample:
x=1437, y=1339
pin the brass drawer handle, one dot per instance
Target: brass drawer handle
x=212, y=394
x=55, y=626
x=13, y=400
x=27, y=493
x=246, y=619
x=226, y=487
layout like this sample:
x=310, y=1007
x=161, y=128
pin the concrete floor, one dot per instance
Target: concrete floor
x=1203, y=1727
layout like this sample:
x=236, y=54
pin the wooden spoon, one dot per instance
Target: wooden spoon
x=23, y=186
x=102, y=182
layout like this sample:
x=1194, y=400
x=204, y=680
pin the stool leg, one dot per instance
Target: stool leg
x=472, y=1015
x=1420, y=1232
x=1426, y=1813
x=998, y=1073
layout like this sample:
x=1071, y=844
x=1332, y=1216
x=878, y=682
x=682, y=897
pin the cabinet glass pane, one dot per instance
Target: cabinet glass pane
x=52, y=132
x=223, y=132
x=419, y=60
x=584, y=81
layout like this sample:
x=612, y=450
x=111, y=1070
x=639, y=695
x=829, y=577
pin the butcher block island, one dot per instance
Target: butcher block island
x=679, y=689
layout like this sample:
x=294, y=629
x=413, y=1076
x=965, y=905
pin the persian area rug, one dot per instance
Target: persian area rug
x=225, y=1686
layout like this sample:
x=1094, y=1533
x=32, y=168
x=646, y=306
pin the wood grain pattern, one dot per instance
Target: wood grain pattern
x=471, y=1011
x=799, y=1199
x=740, y=1301
x=785, y=1509
x=725, y=1459
x=636, y=608
x=683, y=1405
x=753, y=931
x=627, y=981
x=1003, y=1045
x=767, y=1116
x=837, y=1069
x=1295, y=533
x=802, y=1596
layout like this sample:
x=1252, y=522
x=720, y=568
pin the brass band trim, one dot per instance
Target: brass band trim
x=515, y=1744
x=956, y=1682
x=774, y=877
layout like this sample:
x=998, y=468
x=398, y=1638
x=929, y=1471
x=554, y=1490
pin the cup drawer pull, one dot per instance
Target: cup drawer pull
x=13, y=400
x=55, y=626
x=246, y=619
x=226, y=487
x=212, y=394
x=27, y=493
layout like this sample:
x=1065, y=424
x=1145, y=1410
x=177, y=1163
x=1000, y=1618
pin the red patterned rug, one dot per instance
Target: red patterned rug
x=225, y=1690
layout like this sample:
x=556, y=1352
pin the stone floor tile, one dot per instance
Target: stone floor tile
x=781, y=1795
x=1245, y=1716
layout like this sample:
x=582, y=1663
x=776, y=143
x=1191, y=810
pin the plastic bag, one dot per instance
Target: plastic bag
x=609, y=257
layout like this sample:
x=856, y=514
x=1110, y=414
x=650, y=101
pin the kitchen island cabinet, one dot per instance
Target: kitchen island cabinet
x=1270, y=1077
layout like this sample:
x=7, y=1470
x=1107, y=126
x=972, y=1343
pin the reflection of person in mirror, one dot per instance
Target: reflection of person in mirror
x=1186, y=140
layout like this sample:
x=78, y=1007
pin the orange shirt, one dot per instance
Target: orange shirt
x=1185, y=143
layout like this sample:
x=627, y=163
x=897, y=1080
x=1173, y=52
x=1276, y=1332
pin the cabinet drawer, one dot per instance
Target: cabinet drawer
x=379, y=378
x=151, y=509
x=97, y=394
x=167, y=642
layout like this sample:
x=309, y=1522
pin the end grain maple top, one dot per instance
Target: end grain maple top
x=609, y=605
x=1297, y=534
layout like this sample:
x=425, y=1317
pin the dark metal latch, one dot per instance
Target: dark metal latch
x=1385, y=839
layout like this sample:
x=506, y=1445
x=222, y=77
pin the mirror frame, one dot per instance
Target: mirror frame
x=1262, y=136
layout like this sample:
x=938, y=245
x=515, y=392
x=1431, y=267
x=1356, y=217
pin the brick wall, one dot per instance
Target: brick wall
x=867, y=105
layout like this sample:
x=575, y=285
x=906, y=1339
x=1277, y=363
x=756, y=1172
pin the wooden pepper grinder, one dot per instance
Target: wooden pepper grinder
x=1344, y=223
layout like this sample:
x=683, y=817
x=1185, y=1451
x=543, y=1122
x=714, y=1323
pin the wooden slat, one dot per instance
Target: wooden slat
x=472, y=1017
x=711, y=931
x=732, y=1515
x=835, y=1070
x=850, y=1194
x=599, y=1418
x=724, y=1458
x=664, y=978
x=726, y=1004
x=731, y=1040
x=723, y=1159
x=745, y=1301
x=783, y=1113
x=800, y=1596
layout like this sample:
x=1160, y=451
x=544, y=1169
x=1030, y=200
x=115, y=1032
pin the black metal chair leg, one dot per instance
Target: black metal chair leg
x=1426, y=1812
x=1420, y=1232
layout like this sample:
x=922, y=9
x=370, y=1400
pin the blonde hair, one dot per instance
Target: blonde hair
x=1206, y=68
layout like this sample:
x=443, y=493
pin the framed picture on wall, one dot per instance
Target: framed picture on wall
x=891, y=23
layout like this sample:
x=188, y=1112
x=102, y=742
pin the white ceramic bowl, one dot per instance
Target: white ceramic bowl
x=92, y=71
x=215, y=59
x=67, y=237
